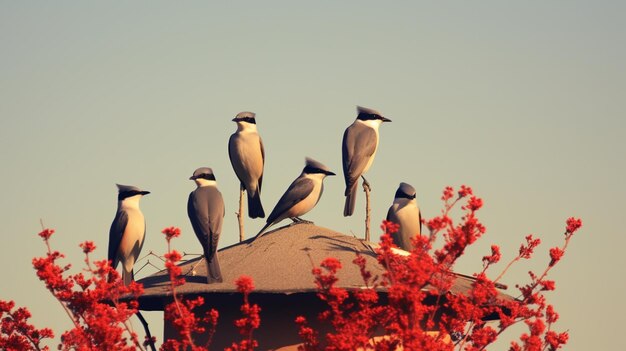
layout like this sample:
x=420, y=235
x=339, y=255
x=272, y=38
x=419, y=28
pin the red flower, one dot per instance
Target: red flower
x=573, y=224
x=555, y=255
x=447, y=193
x=494, y=257
x=171, y=232
x=88, y=247
x=244, y=284
x=46, y=233
x=465, y=191
x=526, y=251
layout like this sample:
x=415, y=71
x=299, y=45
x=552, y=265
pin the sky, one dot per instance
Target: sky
x=522, y=101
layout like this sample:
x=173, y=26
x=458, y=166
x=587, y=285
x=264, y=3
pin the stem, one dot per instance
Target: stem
x=368, y=208
x=507, y=268
x=147, y=329
x=240, y=213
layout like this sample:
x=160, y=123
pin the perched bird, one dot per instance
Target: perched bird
x=301, y=196
x=406, y=213
x=206, y=213
x=127, y=231
x=247, y=155
x=360, y=141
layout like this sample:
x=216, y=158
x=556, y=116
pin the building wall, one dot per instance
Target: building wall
x=278, y=313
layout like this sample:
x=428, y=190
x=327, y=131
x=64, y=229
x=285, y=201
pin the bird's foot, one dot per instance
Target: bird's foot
x=298, y=220
x=366, y=184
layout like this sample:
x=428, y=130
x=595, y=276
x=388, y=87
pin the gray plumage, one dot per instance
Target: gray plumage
x=127, y=232
x=406, y=213
x=247, y=156
x=301, y=196
x=360, y=142
x=205, y=208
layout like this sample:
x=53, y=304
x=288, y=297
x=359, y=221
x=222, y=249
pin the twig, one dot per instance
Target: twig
x=368, y=209
x=147, y=329
x=240, y=213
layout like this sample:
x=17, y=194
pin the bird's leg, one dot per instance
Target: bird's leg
x=368, y=210
x=240, y=213
x=300, y=220
x=366, y=184
x=297, y=220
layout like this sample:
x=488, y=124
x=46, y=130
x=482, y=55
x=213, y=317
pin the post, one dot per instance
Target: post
x=368, y=208
x=240, y=213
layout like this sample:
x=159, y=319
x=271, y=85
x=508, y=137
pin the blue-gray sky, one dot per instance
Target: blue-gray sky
x=522, y=101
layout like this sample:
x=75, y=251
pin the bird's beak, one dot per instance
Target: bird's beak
x=192, y=178
x=329, y=173
x=235, y=119
x=144, y=192
x=385, y=119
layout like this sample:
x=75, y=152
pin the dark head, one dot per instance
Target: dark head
x=368, y=114
x=203, y=173
x=313, y=167
x=405, y=191
x=126, y=191
x=246, y=116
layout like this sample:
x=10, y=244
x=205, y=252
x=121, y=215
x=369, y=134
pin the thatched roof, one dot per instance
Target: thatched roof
x=279, y=262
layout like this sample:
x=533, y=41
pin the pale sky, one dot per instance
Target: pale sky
x=524, y=102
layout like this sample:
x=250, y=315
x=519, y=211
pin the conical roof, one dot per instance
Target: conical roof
x=279, y=262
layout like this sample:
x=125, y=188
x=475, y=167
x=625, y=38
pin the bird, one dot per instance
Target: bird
x=247, y=156
x=205, y=208
x=360, y=141
x=406, y=213
x=301, y=196
x=128, y=230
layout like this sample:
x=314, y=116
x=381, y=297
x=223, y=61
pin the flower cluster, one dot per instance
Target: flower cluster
x=250, y=320
x=421, y=311
x=16, y=333
x=92, y=301
x=181, y=313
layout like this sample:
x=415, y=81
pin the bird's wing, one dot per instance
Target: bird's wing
x=115, y=235
x=359, y=144
x=263, y=156
x=389, y=214
x=420, y=219
x=297, y=191
x=231, y=145
x=216, y=217
x=205, y=208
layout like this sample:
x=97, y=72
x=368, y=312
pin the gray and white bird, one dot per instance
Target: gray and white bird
x=360, y=141
x=128, y=231
x=206, y=213
x=301, y=196
x=406, y=213
x=247, y=155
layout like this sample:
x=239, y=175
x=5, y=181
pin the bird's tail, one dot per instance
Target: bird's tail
x=262, y=230
x=255, y=208
x=213, y=271
x=348, y=208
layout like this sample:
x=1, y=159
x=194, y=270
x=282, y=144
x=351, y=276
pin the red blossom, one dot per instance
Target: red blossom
x=555, y=255
x=448, y=192
x=46, y=233
x=88, y=247
x=171, y=232
x=494, y=257
x=551, y=315
x=244, y=284
x=465, y=191
x=474, y=203
x=526, y=251
x=572, y=225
